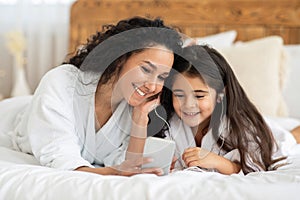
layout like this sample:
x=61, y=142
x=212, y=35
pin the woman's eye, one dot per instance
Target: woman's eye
x=179, y=95
x=145, y=69
x=162, y=78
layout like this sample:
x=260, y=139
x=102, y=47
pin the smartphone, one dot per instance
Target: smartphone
x=162, y=152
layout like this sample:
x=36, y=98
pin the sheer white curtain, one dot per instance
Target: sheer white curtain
x=45, y=25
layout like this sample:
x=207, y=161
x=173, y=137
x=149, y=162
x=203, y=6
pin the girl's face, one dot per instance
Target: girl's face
x=193, y=100
x=143, y=74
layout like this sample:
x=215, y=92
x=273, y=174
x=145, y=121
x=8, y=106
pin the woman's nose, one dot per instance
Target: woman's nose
x=151, y=86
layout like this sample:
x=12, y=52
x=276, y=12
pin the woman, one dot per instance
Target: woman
x=92, y=110
x=211, y=119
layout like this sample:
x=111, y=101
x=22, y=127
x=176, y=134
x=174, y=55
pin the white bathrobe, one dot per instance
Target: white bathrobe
x=184, y=138
x=57, y=125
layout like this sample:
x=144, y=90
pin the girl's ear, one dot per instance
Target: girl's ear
x=220, y=97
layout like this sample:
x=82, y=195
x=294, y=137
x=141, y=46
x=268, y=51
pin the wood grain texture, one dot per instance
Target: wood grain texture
x=251, y=18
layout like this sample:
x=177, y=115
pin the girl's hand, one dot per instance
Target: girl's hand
x=197, y=156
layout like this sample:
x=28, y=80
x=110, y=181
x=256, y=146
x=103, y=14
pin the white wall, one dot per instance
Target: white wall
x=292, y=90
x=45, y=24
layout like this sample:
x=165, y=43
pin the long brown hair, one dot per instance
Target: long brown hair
x=247, y=129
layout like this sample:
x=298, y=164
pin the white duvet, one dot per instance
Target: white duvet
x=22, y=178
x=34, y=182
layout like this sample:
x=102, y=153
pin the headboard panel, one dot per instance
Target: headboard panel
x=250, y=18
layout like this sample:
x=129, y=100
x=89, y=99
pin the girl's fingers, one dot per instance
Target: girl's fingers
x=189, y=152
x=190, y=159
x=201, y=153
x=191, y=149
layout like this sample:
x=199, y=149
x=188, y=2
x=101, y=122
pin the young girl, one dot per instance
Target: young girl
x=212, y=120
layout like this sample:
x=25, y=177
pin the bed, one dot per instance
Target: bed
x=256, y=37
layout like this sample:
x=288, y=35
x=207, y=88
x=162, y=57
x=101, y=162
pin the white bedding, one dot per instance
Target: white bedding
x=24, y=181
x=22, y=178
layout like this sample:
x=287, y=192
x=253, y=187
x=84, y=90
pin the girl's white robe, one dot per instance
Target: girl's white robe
x=184, y=138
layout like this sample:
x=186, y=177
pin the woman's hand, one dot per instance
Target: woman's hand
x=132, y=167
x=140, y=118
x=142, y=111
x=174, y=160
x=126, y=168
x=138, y=133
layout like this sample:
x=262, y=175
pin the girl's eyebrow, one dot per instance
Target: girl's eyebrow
x=201, y=91
x=179, y=90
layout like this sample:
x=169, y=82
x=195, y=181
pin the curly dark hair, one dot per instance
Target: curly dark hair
x=106, y=54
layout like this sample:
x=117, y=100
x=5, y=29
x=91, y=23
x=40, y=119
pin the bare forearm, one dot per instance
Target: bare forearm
x=101, y=171
x=227, y=167
x=138, y=136
x=135, y=147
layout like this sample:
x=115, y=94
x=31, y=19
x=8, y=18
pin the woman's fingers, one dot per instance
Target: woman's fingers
x=174, y=160
x=134, y=166
x=157, y=171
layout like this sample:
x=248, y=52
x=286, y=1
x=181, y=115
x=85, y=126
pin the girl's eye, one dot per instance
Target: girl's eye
x=199, y=96
x=145, y=69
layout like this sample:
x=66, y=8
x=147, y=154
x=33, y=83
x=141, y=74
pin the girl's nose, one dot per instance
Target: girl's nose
x=191, y=101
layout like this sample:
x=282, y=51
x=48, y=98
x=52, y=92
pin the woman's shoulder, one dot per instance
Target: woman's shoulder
x=64, y=72
x=58, y=81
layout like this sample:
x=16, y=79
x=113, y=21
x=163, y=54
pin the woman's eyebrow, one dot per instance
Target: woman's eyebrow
x=155, y=67
x=150, y=64
x=177, y=90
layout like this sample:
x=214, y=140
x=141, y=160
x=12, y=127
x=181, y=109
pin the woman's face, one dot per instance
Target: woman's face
x=193, y=100
x=143, y=74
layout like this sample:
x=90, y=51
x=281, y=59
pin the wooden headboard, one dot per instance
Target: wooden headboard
x=250, y=18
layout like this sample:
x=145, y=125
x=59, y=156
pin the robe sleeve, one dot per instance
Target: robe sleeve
x=51, y=124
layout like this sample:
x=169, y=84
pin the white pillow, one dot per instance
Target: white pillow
x=259, y=66
x=220, y=40
x=292, y=86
